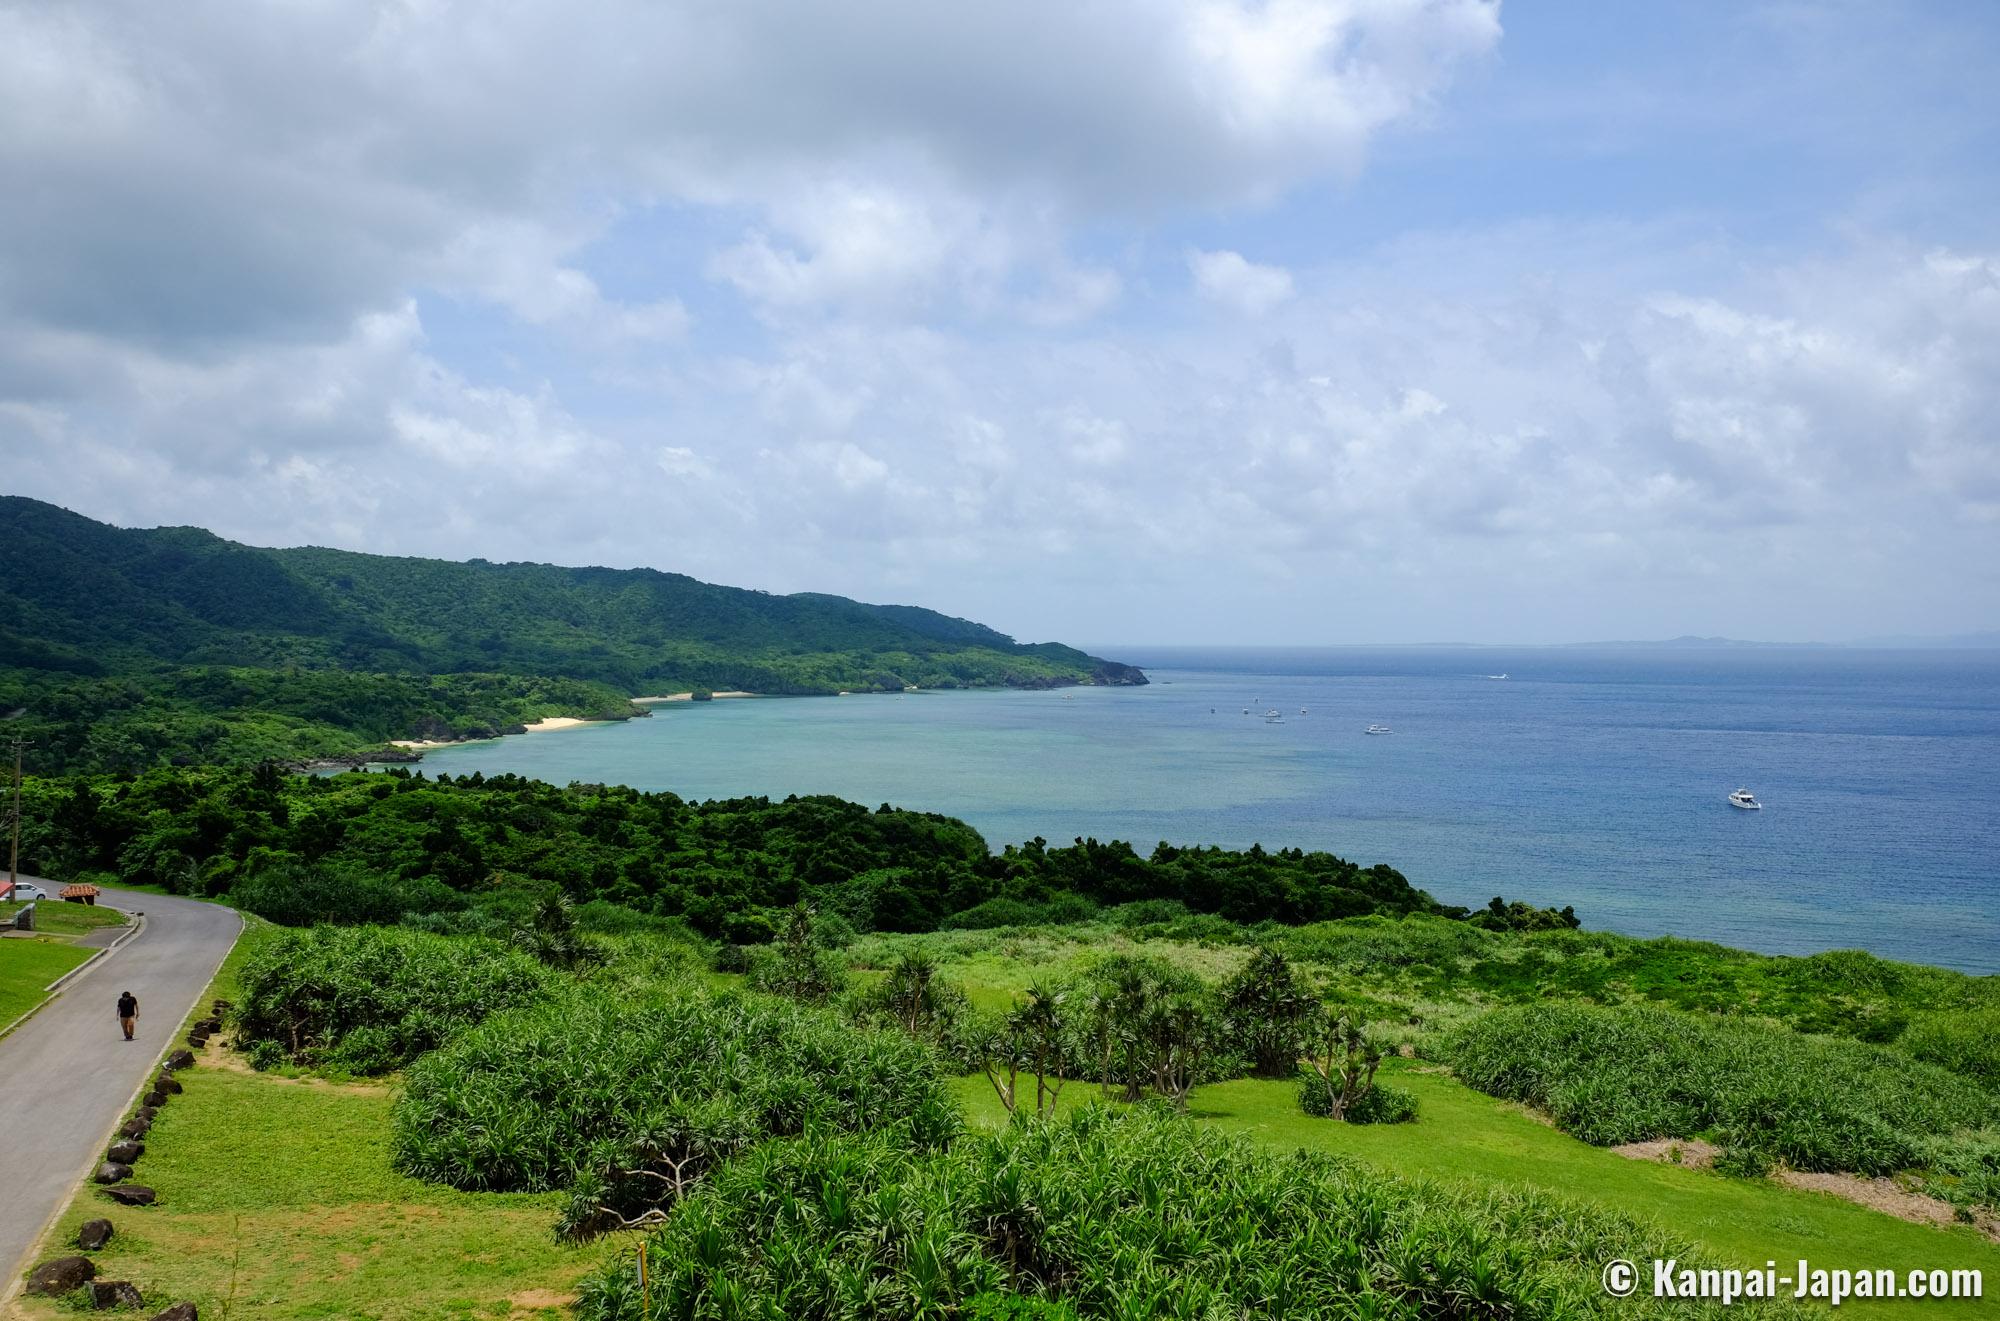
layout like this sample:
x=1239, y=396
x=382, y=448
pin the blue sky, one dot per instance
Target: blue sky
x=1289, y=321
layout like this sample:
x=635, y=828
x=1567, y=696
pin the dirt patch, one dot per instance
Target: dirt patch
x=217, y=1056
x=1692, y=1153
x=1888, y=1197
x=533, y=1302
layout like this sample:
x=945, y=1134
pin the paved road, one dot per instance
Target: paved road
x=71, y=1070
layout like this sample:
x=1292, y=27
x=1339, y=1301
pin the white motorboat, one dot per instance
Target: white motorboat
x=1378, y=729
x=1746, y=800
x=1274, y=717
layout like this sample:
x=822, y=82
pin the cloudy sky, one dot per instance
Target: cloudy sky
x=1300, y=321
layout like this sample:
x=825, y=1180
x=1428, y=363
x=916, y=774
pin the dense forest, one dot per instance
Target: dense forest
x=379, y=846
x=126, y=648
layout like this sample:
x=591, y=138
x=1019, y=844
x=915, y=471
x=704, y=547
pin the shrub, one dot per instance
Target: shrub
x=1742, y=1163
x=1110, y=1214
x=294, y=894
x=1270, y=1010
x=913, y=997
x=371, y=999
x=1967, y=1043
x=798, y=965
x=1380, y=1104
x=1636, y=1073
x=628, y=1100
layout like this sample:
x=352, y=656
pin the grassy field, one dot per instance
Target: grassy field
x=54, y=918
x=1463, y=1135
x=27, y=966
x=277, y=1201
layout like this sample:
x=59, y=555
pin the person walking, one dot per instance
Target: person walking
x=128, y=1012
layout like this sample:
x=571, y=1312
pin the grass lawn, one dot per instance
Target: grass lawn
x=55, y=918
x=27, y=966
x=277, y=1200
x=1467, y=1136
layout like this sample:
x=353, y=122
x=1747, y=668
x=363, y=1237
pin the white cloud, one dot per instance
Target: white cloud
x=1242, y=285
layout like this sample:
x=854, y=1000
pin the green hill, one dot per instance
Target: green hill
x=130, y=646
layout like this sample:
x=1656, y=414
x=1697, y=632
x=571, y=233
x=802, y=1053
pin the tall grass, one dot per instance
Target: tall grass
x=1615, y=1075
x=1101, y=1214
x=371, y=999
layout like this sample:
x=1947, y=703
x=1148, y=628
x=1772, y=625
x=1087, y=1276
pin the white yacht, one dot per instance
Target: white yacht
x=1378, y=729
x=1746, y=800
x=1274, y=717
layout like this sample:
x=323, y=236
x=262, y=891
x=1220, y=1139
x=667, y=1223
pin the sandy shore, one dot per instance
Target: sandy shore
x=689, y=697
x=422, y=744
x=548, y=723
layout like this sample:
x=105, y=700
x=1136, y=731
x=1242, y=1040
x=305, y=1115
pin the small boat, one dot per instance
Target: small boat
x=1302, y=710
x=1746, y=800
x=1378, y=729
x=1496, y=676
x=1274, y=717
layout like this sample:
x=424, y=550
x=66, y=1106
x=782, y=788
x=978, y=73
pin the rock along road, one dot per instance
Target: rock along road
x=67, y=1074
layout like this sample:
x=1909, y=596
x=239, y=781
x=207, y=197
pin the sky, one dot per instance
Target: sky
x=1145, y=321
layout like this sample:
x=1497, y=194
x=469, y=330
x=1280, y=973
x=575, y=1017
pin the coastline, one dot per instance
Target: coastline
x=542, y=726
x=689, y=697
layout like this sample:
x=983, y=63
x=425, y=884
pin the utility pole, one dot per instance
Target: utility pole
x=14, y=851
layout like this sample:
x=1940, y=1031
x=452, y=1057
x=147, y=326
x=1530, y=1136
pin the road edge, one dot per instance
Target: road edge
x=12, y=1283
x=55, y=988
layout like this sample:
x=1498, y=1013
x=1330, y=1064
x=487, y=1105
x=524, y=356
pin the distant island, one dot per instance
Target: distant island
x=124, y=648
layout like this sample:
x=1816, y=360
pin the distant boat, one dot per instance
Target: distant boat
x=1246, y=710
x=1496, y=676
x=1274, y=717
x=1378, y=729
x=1302, y=710
x=1746, y=800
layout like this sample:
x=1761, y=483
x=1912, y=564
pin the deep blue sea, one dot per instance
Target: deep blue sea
x=1593, y=778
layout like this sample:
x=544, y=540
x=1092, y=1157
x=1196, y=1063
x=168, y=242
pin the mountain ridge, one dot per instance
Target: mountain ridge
x=170, y=608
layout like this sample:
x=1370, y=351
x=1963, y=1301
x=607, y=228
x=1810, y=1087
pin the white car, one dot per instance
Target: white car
x=24, y=892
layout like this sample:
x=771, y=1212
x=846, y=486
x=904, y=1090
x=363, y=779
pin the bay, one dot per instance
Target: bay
x=1596, y=778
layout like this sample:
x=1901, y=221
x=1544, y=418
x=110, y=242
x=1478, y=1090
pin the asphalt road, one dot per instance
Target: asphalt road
x=68, y=1074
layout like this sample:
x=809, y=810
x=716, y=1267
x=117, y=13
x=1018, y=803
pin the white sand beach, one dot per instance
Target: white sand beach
x=548, y=723
x=689, y=697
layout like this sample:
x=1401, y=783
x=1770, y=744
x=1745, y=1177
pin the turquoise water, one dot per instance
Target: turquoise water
x=1589, y=778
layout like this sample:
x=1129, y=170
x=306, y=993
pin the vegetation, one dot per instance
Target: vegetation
x=130, y=648
x=367, y=1000
x=1468, y=1140
x=277, y=1201
x=382, y=846
x=27, y=966
x=1341, y=1084
x=1615, y=1075
x=629, y=1101
x=1109, y=1215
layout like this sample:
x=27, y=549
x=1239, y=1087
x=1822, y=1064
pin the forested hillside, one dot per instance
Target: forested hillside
x=121, y=648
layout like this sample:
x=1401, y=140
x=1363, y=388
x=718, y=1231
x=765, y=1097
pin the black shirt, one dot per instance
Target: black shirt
x=128, y=1005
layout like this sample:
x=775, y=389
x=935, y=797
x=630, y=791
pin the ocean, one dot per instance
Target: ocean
x=1597, y=778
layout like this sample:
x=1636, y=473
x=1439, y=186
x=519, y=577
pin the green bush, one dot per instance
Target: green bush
x=627, y=1099
x=1380, y=1104
x=1615, y=1075
x=1130, y=1214
x=294, y=894
x=371, y=999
